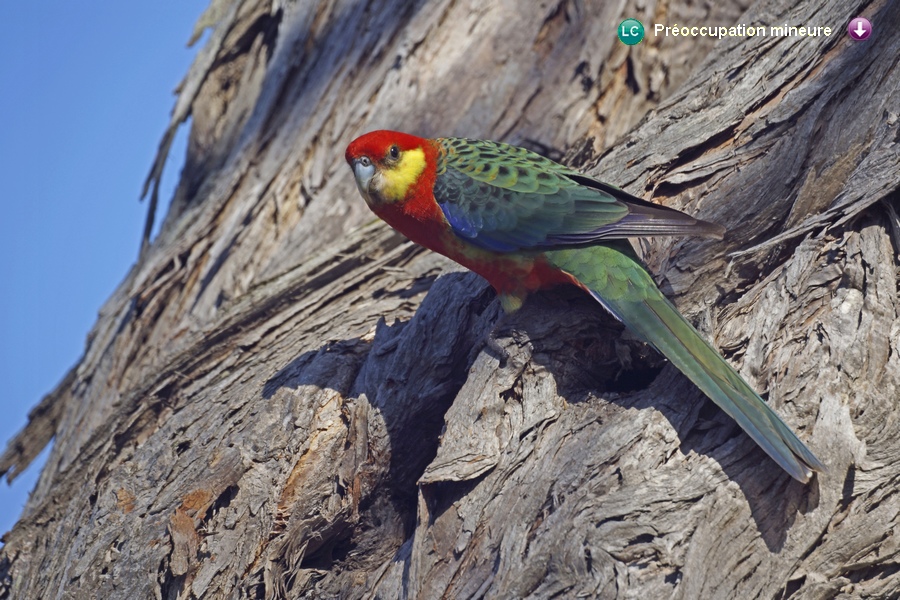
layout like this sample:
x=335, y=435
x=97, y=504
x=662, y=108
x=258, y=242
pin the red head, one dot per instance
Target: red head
x=389, y=165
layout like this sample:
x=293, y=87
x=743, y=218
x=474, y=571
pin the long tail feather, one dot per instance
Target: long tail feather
x=623, y=286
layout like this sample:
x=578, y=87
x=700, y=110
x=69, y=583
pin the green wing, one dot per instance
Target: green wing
x=505, y=198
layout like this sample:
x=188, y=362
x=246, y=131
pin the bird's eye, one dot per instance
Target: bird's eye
x=394, y=152
x=364, y=161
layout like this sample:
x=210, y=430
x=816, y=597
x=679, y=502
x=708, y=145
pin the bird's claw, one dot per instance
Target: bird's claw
x=491, y=343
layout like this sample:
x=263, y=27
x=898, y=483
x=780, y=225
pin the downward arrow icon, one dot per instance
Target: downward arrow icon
x=859, y=28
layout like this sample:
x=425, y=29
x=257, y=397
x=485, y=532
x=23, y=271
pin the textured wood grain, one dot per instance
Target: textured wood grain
x=286, y=399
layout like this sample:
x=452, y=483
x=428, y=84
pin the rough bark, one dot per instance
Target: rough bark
x=285, y=399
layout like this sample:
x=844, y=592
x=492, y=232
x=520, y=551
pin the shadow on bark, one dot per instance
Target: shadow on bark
x=589, y=360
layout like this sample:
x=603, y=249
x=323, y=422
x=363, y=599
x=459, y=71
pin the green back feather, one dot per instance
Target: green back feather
x=504, y=198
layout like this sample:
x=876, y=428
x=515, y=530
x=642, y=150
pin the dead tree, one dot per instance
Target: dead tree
x=286, y=399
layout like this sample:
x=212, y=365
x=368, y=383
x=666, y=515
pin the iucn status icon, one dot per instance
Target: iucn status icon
x=631, y=31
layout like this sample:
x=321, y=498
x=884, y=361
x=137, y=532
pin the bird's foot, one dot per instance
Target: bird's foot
x=496, y=349
x=491, y=343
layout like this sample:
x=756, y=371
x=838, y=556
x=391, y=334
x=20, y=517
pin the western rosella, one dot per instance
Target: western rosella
x=526, y=223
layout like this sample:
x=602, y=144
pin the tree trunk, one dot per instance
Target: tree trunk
x=287, y=399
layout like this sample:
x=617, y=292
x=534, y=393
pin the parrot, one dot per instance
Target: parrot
x=526, y=223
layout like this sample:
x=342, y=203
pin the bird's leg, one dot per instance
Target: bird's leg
x=491, y=342
x=510, y=303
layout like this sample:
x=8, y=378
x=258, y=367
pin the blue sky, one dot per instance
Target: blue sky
x=86, y=89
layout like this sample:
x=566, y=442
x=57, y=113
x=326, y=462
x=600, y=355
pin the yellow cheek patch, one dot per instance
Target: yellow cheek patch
x=396, y=181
